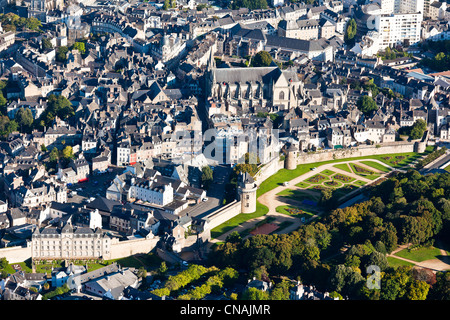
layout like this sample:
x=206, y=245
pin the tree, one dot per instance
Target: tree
x=234, y=237
x=378, y=259
x=350, y=33
x=162, y=268
x=54, y=155
x=366, y=105
x=80, y=47
x=67, y=153
x=166, y=5
x=142, y=273
x=254, y=294
x=61, y=54
x=418, y=129
x=7, y=126
x=46, y=44
x=441, y=289
x=3, y=263
x=24, y=119
x=262, y=59
x=250, y=4
x=3, y=101
x=281, y=291
x=33, y=24
x=207, y=176
x=417, y=290
x=250, y=165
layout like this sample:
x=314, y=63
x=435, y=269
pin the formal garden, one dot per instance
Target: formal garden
x=399, y=160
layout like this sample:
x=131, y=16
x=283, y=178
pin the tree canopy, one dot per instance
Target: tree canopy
x=262, y=59
x=366, y=105
x=350, y=33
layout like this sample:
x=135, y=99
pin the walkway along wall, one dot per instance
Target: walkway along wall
x=16, y=254
x=121, y=249
x=222, y=215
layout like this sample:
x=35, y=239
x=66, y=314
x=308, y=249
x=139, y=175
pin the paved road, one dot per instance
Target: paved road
x=442, y=160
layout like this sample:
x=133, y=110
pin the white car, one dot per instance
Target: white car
x=205, y=199
x=286, y=183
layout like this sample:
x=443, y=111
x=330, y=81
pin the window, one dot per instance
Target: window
x=281, y=96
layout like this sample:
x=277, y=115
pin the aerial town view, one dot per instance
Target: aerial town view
x=232, y=150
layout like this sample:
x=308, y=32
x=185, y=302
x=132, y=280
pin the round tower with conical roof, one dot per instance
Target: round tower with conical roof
x=247, y=193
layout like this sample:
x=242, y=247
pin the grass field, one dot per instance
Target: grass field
x=419, y=255
x=294, y=211
x=394, y=262
x=343, y=166
x=371, y=175
x=376, y=165
x=239, y=219
x=359, y=183
x=303, y=185
x=327, y=172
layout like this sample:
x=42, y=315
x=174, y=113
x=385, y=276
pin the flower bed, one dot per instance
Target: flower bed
x=316, y=179
x=342, y=178
x=331, y=183
x=361, y=170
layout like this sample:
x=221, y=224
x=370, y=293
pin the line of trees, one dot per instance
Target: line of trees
x=431, y=157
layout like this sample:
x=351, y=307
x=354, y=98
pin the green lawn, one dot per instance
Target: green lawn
x=334, y=184
x=239, y=219
x=376, y=165
x=421, y=254
x=303, y=185
x=368, y=174
x=327, y=172
x=343, y=166
x=359, y=183
x=447, y=168
x=297, y=194
x=294, y=211
x=394, y=262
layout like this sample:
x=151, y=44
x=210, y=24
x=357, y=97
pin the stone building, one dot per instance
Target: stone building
x=70, y=242
x=251, y=87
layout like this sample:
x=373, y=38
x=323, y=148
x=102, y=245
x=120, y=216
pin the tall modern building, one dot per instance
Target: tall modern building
x=399, y=22
x=399, y=29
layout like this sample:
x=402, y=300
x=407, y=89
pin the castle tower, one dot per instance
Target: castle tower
x=247, y=193
x=290, y=162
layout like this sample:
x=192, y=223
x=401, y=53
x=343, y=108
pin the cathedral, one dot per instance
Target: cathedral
x=263, y=87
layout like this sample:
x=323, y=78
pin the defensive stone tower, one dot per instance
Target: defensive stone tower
x=247, y=193
x=290, y=161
